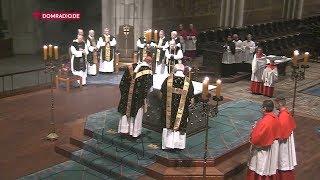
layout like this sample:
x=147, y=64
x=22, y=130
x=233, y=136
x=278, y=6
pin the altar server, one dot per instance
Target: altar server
x=258, y=65
x=269, y=77
x=238, y=55
x=191, y=40
x=92, y=57
x=161, y=47
x=107, y=44
x=287, y=154
x=144, y=46
x=134, y=86
x=79, y=52
x=228, y=59
x=263, y=159
x=177, y=94
x=249, y=47
x=173, y=55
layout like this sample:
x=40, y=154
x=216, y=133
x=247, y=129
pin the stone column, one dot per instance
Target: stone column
x=239, y=15
x=293, y=8
x=227, y=14
x=233, y=11
x=300, y=9
x=222, y=13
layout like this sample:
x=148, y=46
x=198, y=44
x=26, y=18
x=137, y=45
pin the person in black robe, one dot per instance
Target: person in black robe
x=133, y=96
x=79, y=52
x=173, y=55
x=174, y=133
x=159, y=55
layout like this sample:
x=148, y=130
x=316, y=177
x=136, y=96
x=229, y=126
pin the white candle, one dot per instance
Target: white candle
x=45, y=52
x=205, y=88
x=218, y=88
x=56, y=55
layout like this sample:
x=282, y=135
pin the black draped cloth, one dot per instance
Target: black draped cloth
x=79, y=63
x=178, y=82
x=141, y=89
x=162, y=51
x=90, y=55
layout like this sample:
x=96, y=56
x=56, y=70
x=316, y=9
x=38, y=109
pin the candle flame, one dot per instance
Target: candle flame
x=206, y=78
x=219, y=81
x=296, y=52
x=306, y=53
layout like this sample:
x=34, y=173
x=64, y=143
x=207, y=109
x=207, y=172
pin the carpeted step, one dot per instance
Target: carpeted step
x=118, y=154
x=98, y=163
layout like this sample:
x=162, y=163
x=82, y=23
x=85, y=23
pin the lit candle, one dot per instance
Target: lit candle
x=155, y=35
x=45, y=52
x=306, y=58
x=117, y=62
x=56, y=55
x=205, y=88
x=218, y=88
x=50, y=50
x=295, y=57
x=190, y=72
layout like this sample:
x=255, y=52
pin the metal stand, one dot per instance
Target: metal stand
x=205, y=107
x=298, y=74
x=51, y=67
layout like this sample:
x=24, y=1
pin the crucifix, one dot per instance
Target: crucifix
x=126, y=30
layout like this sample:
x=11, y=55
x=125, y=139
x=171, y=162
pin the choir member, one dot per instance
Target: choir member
x=134, y=86
x=182, y=35
x=249, y=47
x=269, y=78
x=191, y=40
x=92, y=57
x=79, y=52
x=258, y=65
x=107, y=44
x=174, y=36
x=143, y=47
x=161, y=47
x=263, y=159
x=177, y=94
x=79, y=32
x=287, y=154
x=238, y=55
x=173, y=55
x=228, y=58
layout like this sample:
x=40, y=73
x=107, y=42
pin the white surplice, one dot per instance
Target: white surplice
x=258, y=66
x=238, y=56
x=173, y=139
x=106, y=66
x=92, y=69
x=249, y=48
x=287, y=154
x=76, y=53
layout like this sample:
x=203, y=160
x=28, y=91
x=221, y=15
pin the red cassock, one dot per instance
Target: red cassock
x=287, y=153
x=269, y=77
x=263, y=160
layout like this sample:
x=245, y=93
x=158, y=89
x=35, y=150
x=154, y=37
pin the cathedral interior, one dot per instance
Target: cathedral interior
x=53, y=127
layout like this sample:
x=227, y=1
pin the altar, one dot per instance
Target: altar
x=153, y=119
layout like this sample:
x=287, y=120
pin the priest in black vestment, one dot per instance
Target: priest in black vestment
x=173, y=55
x=79, y=52
x=177, y=94
x=135, y=85
x=161, y=47
x=228, y=58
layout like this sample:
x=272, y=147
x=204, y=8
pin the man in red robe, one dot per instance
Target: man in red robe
x=287, y=154
x=191, y=41
x=269, y=77
x=182, y=35
x=263, y=159
x=258, y=65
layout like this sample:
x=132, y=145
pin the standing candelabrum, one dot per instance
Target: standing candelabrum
x=298, y=72
x=205, y=109
x=50, y=57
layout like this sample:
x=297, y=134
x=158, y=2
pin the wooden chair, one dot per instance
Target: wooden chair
x=66, y=77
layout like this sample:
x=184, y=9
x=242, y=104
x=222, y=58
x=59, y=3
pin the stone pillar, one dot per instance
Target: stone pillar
x=300, y=9
x=227, y=13
x=222, y=13
x=239, y=15
x=23, y=29
x=233, y=10
x=293, y=8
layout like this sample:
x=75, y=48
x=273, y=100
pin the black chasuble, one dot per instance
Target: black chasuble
x=131, y=102
x=177, y=89
x=79, y=63
x=111, y=48
x=232, y=46
x=92, y=56
x=142, y=51
x=171, y=60
x=160, y=52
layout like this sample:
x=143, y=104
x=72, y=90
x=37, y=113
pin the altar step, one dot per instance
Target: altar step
x=105, y=158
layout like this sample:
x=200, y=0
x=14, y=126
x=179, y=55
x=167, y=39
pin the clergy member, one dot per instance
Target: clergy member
x=191, y=42
x=134, y=86
x=92, y=57
x=173, y=55
x=174, y=36
x=228, y=60
x=269, y=77
x=287, y=154
x=249, y=47
x=263, y=159
x=79, y=52
x=107, y=44
x=177, y=95
x=161, y=47
x=182, y=35
x=79, y=32
x=238, y=55
x=143, y=47
x=258, y=65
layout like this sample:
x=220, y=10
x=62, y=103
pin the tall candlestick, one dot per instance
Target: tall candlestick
x=155, y=35
x=56, y=55
x=190, y=73
x=306, y=58
x=50, y=50
x=295, y=57
x=205, y=88
x=218, y=88
x=45, y=52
